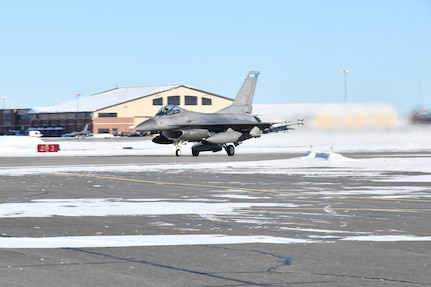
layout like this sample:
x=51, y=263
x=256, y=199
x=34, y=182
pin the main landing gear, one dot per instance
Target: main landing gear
x=195, y=152
x=230, y=149
x=197, y=148
x=205, y=146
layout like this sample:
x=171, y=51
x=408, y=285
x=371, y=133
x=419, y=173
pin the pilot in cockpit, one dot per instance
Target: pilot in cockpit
x=168, y=110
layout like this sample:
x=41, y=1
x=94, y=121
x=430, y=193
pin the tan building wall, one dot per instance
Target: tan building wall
x=112, y=125
x=118, y=118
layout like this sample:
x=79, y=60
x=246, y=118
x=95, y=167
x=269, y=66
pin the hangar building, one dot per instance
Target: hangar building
x=114, y=111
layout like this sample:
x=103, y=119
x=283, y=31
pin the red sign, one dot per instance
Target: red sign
x=48, y=147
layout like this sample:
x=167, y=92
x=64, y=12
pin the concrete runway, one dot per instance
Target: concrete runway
x=307, y=214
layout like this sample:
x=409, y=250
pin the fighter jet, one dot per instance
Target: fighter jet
x=224, y=129
x=80, y=134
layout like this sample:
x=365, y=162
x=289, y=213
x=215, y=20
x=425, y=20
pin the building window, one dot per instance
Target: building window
x=82, y=115
x=23, y=117
x=6, y=116
x=174, y=100
x=206, y=102
x=158, y=102
x=107, y=115
x=191, y=100
x=103, y=131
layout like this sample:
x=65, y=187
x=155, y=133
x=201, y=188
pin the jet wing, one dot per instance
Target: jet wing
x=277, y=127
x=264, y=127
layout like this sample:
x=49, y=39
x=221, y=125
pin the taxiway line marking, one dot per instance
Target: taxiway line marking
x=372, y=197
x=176, y=183
x=242, y=188
x=340, y=209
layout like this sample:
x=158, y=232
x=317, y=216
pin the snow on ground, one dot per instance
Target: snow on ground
x=169, y=240
x=320, y=148
x=408, y=138
x=322, y=155
x=120, y=207
x=154, y=207
x=140, y=240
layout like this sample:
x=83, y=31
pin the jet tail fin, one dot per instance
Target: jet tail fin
x=86, y=128
x=243, y=102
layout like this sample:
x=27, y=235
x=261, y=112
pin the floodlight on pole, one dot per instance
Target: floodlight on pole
x=345, y=72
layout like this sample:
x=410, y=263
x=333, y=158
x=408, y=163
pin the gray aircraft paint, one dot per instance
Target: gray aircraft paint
x=226, y=128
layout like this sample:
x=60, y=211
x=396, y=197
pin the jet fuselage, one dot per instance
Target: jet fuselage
x=186, y=125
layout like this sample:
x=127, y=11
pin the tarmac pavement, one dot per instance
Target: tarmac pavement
x=295, y=208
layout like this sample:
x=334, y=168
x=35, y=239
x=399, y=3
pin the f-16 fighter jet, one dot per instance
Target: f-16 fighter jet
x=224, y=129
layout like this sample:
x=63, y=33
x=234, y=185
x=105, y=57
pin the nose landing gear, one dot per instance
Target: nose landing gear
x=178, y=146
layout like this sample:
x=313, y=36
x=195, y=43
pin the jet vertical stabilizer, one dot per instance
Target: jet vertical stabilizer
x=243, y=102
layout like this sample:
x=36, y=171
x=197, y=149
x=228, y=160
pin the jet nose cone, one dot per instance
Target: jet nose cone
x=147, y=126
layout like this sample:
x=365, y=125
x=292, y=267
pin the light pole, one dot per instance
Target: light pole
x=4, y=100
x=3, y=121
x=77, y=101
x=77, y=110
x=345, y=72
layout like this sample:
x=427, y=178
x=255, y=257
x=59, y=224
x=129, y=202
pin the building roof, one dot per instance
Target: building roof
x=103, y=100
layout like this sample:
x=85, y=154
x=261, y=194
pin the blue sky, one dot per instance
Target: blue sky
x=54, y=49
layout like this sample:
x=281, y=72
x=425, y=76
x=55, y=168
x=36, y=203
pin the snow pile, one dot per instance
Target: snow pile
x=18, y=145
x=331, y=155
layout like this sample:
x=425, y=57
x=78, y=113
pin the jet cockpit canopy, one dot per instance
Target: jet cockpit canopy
x=168, y=110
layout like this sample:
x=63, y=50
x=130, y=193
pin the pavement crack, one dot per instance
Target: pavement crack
x=283, y=260
x=165, y=266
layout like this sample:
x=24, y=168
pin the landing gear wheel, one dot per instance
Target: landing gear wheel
x=178, y=145
x=195, y=152
x=230, y=150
